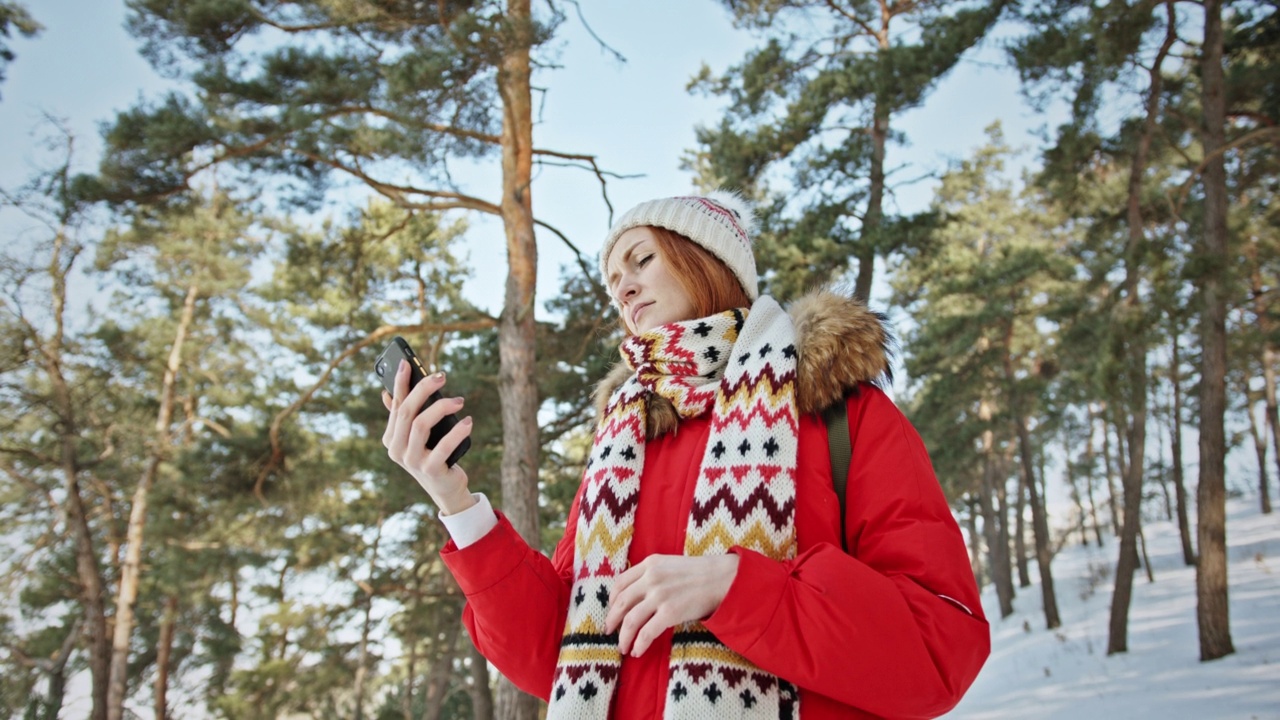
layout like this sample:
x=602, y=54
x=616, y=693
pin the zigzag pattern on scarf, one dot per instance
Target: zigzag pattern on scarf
x=741, y=369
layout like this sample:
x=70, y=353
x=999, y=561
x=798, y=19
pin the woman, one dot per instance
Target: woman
x=703, y=572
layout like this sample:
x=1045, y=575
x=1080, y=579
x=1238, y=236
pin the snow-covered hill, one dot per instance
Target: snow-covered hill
x=1066, y=673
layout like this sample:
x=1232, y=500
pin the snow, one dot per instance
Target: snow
x=1066, y=673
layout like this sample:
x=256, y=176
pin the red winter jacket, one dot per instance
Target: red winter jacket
x=893, y=628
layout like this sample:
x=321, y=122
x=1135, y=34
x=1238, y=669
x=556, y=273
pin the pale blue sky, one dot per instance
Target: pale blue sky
x=635, y=117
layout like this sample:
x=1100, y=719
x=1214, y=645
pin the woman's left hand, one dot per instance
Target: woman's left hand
x=663, y=591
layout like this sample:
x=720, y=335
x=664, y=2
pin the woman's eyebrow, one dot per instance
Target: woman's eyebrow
x=626, y=256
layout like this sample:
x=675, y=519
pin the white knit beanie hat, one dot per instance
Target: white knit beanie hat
x=722, y=222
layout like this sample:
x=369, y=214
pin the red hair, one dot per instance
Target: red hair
x=710, y=284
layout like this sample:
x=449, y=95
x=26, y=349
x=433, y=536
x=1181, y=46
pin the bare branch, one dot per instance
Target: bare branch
x=582, y=261
x=399, y=194
x=1261, y=134
x=603, y=45
x=600, y=174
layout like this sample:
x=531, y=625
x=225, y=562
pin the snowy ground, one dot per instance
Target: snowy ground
x=1066, y=673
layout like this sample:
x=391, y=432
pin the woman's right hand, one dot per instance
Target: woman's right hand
x=406, y=440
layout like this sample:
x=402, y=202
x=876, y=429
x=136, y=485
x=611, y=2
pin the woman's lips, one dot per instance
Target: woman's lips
x=635, y=314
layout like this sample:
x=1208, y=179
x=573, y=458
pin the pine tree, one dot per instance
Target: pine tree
x=1087, y=49
x=976, y=294
x=320, y=92
x=822, y=95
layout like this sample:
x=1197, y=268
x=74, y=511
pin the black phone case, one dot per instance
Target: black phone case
x=385, y=368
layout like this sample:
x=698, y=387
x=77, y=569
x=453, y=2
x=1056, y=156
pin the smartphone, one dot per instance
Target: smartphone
x=385, y=368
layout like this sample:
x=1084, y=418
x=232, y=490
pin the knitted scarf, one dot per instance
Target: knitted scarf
x=741, y=367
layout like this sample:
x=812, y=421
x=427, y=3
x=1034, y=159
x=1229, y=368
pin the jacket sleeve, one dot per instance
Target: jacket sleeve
x=894, y=627
x=517, y=600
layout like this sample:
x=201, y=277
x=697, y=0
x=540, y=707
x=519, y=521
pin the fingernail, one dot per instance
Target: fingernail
x=437, y=375
x=401, y=366
x=466, y=420
x=458, y=401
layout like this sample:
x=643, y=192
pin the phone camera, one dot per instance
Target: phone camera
x=381, y=368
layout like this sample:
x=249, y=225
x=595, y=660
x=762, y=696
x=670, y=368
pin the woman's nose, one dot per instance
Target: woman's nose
x=627, y=287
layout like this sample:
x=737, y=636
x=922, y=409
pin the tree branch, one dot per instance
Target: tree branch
x=276, y=458
x=1272, y=133
x=603, y=46
x=852, y=18
x=33, y=486
x=582, y=262
x=590, y=160
x=399, y=194
x=30, y=454
x=435, y=127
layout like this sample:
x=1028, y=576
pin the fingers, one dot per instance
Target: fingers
x=650, y=632
x=404, y=410
x=621, y=601
x=401, y=383
x=663, y=591
x=433, y=461
x=634, y=609
x=386, y=399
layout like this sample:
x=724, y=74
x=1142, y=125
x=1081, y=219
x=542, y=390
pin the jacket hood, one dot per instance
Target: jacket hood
x=840, y=344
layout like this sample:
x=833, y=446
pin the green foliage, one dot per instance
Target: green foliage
x=299, y=93
x=980, y=290
x=14, y=17
x=822, y=103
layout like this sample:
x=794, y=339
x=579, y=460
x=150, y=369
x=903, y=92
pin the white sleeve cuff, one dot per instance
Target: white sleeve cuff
x=467, y=527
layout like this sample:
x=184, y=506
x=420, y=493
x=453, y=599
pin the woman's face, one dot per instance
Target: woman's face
x=642, y=283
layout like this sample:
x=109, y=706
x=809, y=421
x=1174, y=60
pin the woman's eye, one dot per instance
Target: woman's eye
x=645, y=260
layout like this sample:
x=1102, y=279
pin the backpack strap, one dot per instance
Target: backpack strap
x=836, y=418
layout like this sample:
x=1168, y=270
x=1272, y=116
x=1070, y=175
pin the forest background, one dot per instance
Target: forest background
x=198, y=513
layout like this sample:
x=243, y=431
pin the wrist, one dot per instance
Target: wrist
x=456, y=502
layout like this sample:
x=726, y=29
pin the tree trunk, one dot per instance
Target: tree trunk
x=993, y=521
x=1260, y=443
x=92, y=587
x=517, y=390
x=1122, y=455
x=1133, y=326
x=1020, y=533
x=1126, y=565
x=1091, y=461
x=481, y=695
x=1162, y=477
x=1146, y=559
x=1212, y=610
x=406, y=696
x=164, y=651
x=1039, y=521
x=1175, y=440
x=131, y=573
x=362, y=663
x=1262, y=314
x=56, y=668
x=1269, y=388
x=437, y=685
x=1112, y=494
x=1040, y=531
x=873, y=218
x=975, y=541
x=1082, y=515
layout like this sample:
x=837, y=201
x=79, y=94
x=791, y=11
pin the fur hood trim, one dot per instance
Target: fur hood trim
x=841, y=344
